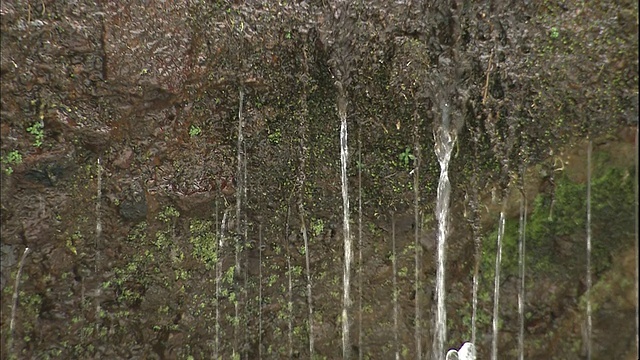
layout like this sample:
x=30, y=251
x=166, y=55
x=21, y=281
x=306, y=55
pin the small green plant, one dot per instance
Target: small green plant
x=406, y=156
x=317, y=226
x=12, y=158
x=554, y=33
x=275, y=137
x=194, y=130
x=37, y=130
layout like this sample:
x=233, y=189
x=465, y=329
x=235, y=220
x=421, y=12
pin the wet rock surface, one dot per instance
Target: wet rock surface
x=129, y=190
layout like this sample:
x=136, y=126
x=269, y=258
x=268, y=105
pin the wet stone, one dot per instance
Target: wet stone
x=134, y=209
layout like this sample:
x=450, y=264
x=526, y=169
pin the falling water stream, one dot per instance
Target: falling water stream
x=216, y=347
x=418, y=248
x=240, y=191
x=344, y=152
x=496, y=288
x=589, y=323
x=521, y=262
x=444, y=141
x=360, y=332
x=260, y=291
x=394, y=265
x=289, y=283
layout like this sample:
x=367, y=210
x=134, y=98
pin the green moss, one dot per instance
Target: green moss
x=204, y=242
x=556, y=229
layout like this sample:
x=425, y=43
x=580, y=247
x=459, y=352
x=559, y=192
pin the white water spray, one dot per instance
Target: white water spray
x=444, y=141
x=344, y=154
x=496, y=289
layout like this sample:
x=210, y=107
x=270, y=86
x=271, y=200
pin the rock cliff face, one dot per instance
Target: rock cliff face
x=120, y=172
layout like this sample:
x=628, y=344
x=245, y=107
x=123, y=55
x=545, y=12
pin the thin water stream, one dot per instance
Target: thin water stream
x=418, y=248
x=522, y=266
x=218, y=270
x=240, y=191
x=444, y=141
x=394, y=265
x=260, y=291
x=344, y=154
x=589, y=322
x=496, y=288
x=360, y=332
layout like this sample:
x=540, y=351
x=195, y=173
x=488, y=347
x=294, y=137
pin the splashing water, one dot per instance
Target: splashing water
x=496, y=289
x=444, y=141
x=344, y=152
x=466, y=352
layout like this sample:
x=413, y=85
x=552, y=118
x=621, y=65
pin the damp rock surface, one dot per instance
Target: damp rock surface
x=124, y=144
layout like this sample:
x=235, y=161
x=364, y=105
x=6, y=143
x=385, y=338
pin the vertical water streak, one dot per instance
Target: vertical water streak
x=245, y=240
x=477, y=240
x=496, y=289
x=344, y=153
x=305, y=236
x=14, y=306
x=218, y=275
x=259, y=291
x=360, y=345
x=98, y=212
x=394, y=265
x=239, y=179
x=304, y=153
x=98, y=234
x=521, y=263
x=443, y=146
x=474, y=301
x=417, y=246
x=290, y=284
x=589, y=324
x=637, y=256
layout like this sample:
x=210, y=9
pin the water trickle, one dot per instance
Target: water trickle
x=477, y=240
x=15, y=299
x=417, y=237
x=344, y=152
x=589, y=323
x=98, y=230
x=240, y=177
x=304, y=153
x=444, y=141
x=218, y=276
x=290, y=284
x=259, y=291
x=496, y=289
x=394, y=264
x=360, y=332
x=521, y=265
